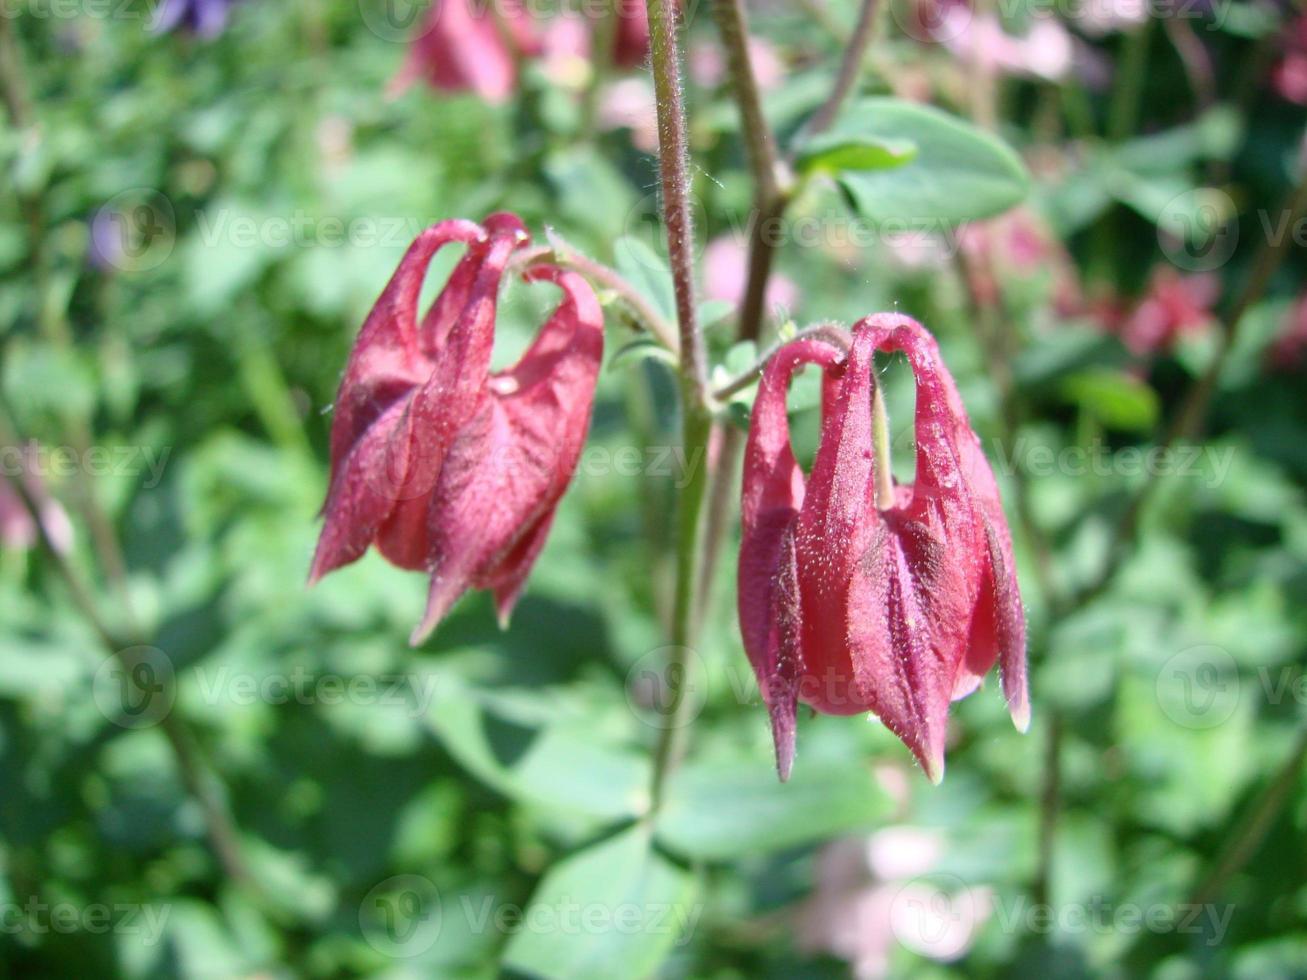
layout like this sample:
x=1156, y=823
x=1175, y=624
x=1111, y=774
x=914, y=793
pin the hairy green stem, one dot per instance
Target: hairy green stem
x=563, y=254
x=831, y=334
x=674, y=180
x=696, y=421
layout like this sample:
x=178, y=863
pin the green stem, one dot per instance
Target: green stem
x=1123, y=115
x=563, y=254
x=696, y=421
x=850, y=68
x=697, y=424
x=881, y=445
x=831, y=334
x=674, y=177
x=1253, y=828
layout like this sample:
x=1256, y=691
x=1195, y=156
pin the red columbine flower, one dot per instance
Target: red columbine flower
x=849, y=607
x=475, y=45
x=444, y=466
x=470, y=45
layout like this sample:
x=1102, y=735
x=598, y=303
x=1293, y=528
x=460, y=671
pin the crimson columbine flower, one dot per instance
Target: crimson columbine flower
x=852, y=608
x=444, y=466
x=475, y=45
x=468, y=45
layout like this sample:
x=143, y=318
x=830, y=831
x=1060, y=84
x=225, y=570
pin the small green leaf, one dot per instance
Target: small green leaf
x=640, y=349
x=727, y=808
x=959, y=173
x=830, y=154
x=645, y=269
x=552, y=763
x=615, y=908
x=1114, y=398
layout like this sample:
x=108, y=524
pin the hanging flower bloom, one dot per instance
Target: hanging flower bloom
x=476, y=45
x=465, y=45
x=631, y=33
x=443, y=466
x=852, y=607
x=1173, y=307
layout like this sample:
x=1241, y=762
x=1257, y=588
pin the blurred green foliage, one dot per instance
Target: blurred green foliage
x=439, y=811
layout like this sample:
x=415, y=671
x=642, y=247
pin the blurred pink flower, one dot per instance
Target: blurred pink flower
x=461, y=48
x=629, y=104
x=1044, y=52
x=1288, y=351
x=1174, y=306
x=707, y=63
x=726, y=273
x=17, y=529
x=475, y=45
x=1289, y=76
x=876, y=893
x=1018, y=243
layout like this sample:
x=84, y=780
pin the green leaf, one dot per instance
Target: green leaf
x=959, y=173
x=531, y=757
x=645, y=269
x=614, y=908
x=831, y=154
x=728, y=808
x=1115, y=399
x=643, y=348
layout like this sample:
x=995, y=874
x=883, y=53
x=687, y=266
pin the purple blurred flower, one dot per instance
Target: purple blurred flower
x=205, y=18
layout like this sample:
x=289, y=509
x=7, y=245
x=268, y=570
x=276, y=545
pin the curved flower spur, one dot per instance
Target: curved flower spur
x=852, y=607
x=446, y=467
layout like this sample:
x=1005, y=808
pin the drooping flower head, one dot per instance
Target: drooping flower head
x=446, y=467
x=476, y=45
x=850, y=607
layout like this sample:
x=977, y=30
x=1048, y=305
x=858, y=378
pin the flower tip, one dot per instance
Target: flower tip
x=1021, y=716
x=933, y=766
x=784, y=763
